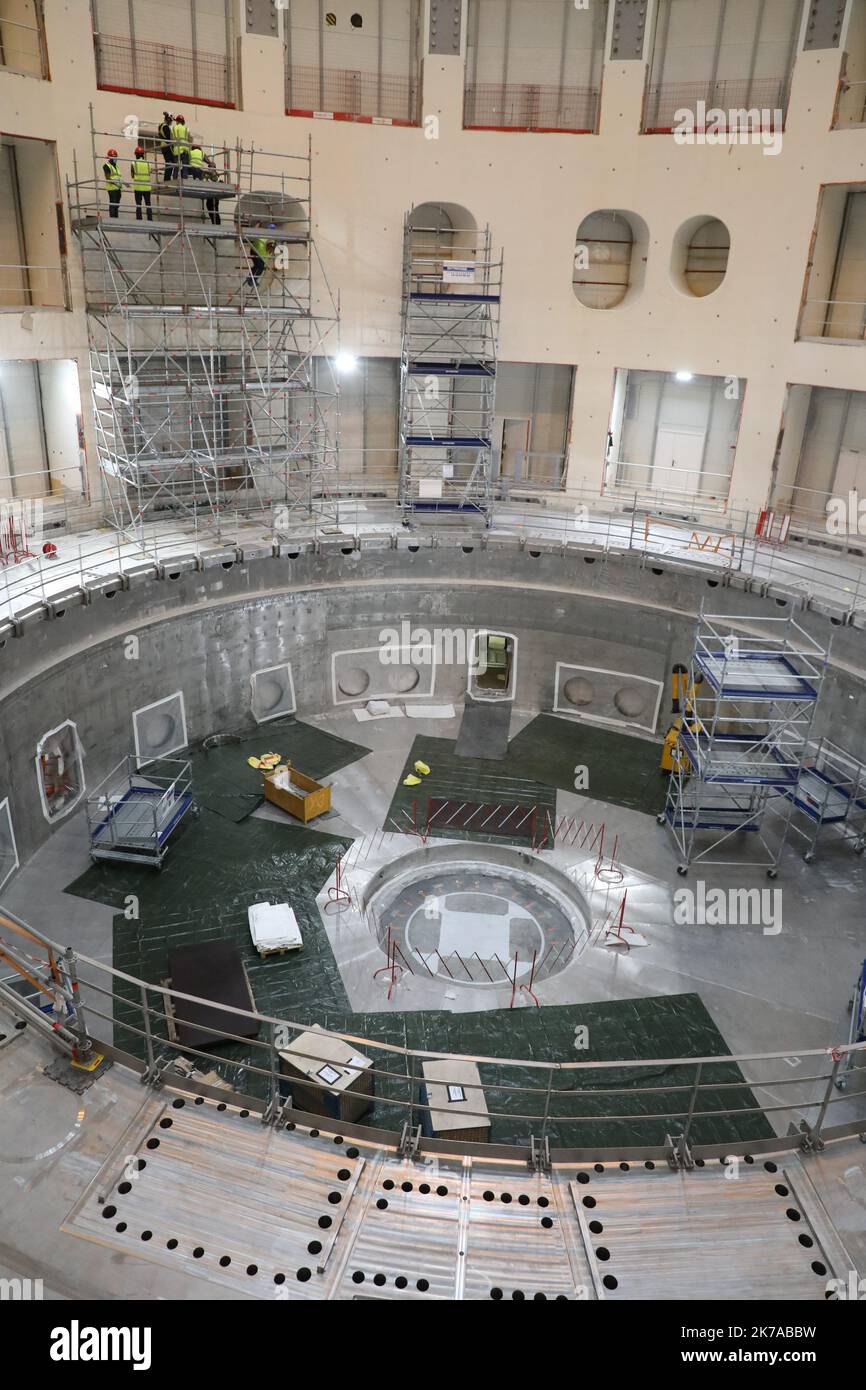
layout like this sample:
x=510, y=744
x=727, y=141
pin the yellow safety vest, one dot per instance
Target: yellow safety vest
x=260, y=246
x=114, y=179
x=141, y=175
x=180, y=136
x=196, y=158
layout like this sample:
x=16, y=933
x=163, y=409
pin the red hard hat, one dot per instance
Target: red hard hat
x=112, y=152
x=180, y=119
x=139, y=150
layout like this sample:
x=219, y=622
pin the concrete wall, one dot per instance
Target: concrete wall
x=205, y=632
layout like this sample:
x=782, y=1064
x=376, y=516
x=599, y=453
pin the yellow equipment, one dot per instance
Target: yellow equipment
x=683, y=698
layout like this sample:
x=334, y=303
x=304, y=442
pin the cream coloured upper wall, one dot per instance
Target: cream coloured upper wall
x=534, y=190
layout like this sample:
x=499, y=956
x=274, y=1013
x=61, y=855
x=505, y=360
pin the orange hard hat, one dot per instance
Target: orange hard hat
x=139, y=150
x=112, y=152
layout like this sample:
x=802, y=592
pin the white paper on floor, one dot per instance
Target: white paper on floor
x=430, y=711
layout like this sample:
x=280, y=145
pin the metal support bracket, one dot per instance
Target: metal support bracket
x=679, y=1155
x=539, y=1154
x=410, y=1142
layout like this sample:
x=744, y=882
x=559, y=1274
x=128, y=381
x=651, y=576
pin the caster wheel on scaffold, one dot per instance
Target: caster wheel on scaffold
x=682, y=870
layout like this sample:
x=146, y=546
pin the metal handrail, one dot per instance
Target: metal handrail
x=94, y=977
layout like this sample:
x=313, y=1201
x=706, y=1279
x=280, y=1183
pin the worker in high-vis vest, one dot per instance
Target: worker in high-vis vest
x=259, y=249
x=165, y=138
x=113, y=182
x=196, y=161
x=212, y=204
x=141, y=185
x=180, y=145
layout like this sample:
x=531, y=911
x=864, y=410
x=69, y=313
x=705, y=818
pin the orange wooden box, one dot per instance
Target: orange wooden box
x=311, y=798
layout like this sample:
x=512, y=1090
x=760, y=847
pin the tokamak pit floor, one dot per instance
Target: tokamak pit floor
x=738, y=989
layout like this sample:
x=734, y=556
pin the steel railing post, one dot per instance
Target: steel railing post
x=692, y=1102
x=814, y=1132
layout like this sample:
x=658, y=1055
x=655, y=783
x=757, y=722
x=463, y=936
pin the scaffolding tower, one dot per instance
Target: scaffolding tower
x=213, y=388
x=452, y=287
x=744, y=738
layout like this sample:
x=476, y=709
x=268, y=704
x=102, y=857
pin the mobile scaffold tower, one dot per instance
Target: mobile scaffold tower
x=452, y=287
x=752, y=694
x=213, y=387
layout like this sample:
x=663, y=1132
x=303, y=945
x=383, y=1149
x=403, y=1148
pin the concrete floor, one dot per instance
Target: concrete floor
x=786, y=992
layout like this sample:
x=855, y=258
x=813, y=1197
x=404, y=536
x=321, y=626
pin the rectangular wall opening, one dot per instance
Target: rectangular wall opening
x=534, y=65
x=22, y=37
x=176, y=51
x=731, y=55
x=835, y=303
x=821, y=454
x=32, y=226
x=41, y=432
x=673, y=435
x=360, y=62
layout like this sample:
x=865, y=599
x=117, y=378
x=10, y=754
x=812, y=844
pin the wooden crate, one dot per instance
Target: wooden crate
x=311, y=798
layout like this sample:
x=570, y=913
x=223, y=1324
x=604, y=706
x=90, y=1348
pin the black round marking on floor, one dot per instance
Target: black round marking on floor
x=379, y=1279
x=544, y=1202
x=523, y=1199
x=805, y=1240
x=547, y=1222
x=602, y=1253
x=222, y=1105
x=442, y=1192
x=243, y=1114
x=596, y=1227
x=489, y=1196
x=153, y=1143
x=171, y=1244
x=424, y=1187
x=338, y=1139
x=120, y=1227
x=279, y=1278
x=589, y=1201
x=314, y=1134
x=818, y=1268
x=771, y=1167
x=225, y=1261
x=198, y=1252
x=405, y=1187
x=142, y=1163
x=583, y=1177
x=496, y=1294
x=324, y=1222
x=781, y=1189
x=506, y=1198
x=252, y=1269
x=124, y=1187
x=166, y=1123
x=352, y=1153
x=610, y=1281
x=147, y=1235
x=650, y=1165
x=335, y=1198
x=178, y=1104
x=108, y=1212
x=792, y=1214
x=357, y=1277
x=422, y=1285
x=314, y=1247
x=401, y=1281
x=199, y=1100
x=388, y=1184
x=382, y=1204
x=625, y=1167
x=303, y=1274
x=344, y=1175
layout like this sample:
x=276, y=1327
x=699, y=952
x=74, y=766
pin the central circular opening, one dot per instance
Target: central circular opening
x=493, y=920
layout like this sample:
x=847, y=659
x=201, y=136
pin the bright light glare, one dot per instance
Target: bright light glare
x=345, y=362
x=685, y=376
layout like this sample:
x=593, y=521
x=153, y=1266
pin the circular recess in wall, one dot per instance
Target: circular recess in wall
x=609, y=258
x=579, y=691
x=353, y=682
x=158, y=729
x=269, y=693
x=699, y=257
x=402, y=679
x=630, y=701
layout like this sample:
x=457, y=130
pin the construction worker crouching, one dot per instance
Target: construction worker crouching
x=165, y=136
x=180, y=146
x=113, y=182
x=141, y=184
x=260, y=249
